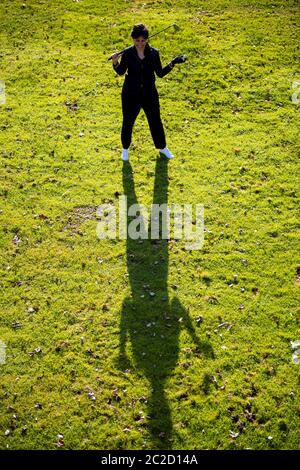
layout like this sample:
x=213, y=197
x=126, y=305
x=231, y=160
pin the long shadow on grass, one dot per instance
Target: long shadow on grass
x=150, y=322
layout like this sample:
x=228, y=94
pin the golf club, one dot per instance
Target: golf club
x=174, y=25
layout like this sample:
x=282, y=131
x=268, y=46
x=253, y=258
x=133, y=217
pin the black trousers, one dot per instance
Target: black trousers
x=132, y=103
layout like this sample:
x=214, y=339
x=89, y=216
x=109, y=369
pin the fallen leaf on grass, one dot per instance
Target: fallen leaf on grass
x=60, y=442
x=61, y=346
x=249, y=416
x=36, y=351
x=296, y=351
x=91, y=396
x=16, y=240
x=32, y=309
x=199, y=319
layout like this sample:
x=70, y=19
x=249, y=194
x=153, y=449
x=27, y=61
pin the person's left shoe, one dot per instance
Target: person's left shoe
x=166, y=152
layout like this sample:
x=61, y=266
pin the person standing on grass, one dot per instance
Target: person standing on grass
x=139, y=91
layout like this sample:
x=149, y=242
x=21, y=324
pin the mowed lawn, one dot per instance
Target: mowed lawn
x=133, y=344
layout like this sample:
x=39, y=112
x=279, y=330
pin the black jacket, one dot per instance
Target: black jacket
x=140, y=72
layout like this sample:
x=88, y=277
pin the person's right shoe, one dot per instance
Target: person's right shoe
x=125, y=155
x=166, y=152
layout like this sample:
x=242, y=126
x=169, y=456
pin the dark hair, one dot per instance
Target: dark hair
x=139, y=30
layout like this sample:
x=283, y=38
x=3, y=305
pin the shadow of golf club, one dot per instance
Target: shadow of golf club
x=149, y=319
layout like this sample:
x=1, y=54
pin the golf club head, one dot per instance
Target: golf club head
x=176, y=27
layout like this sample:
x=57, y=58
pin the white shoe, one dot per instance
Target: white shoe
x=166, y=152
x=125, y=155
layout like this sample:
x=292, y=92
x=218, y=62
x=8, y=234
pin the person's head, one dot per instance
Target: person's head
x=140, y=35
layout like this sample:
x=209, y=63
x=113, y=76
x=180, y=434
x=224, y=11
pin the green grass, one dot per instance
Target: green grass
x=161, y=379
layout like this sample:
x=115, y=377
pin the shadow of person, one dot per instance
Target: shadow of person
x=150, y=322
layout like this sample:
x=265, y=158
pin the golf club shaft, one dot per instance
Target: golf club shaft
x=158, y=32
